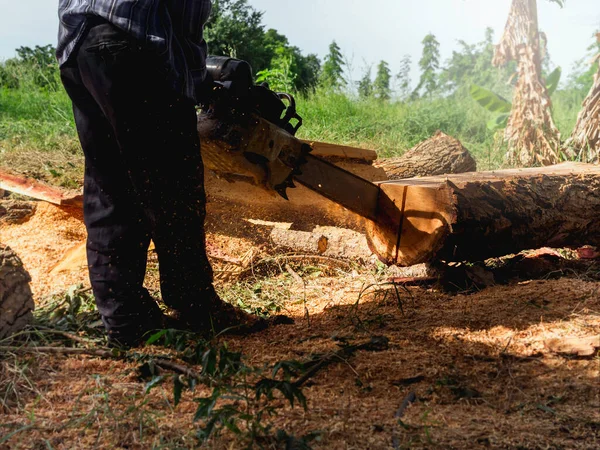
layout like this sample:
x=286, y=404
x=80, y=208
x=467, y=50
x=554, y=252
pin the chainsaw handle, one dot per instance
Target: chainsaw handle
x=290, y=113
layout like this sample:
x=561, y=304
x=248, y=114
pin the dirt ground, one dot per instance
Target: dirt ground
x=477, y=367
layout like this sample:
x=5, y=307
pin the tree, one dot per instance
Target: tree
x=308, y=70
x=429, y=64
x=235, y=29
x=303, y=70
x=531, y=135
x=403, y=78
x=365, y=85
x=381, y=87
x=42, y=56
x=279, y=75
x=34, y=66
x=333, y=68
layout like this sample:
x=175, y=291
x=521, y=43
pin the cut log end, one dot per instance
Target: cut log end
x=475, y=216
x=415, y=219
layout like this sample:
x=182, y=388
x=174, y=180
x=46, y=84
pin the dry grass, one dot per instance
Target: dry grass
x=60, y=167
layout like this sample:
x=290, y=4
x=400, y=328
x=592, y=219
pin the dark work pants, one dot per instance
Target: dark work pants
x=143, y=181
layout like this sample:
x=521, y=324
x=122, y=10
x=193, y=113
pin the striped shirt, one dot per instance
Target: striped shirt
x=172, y=28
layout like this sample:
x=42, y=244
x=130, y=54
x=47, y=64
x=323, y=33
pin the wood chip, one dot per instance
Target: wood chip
x=574, y=346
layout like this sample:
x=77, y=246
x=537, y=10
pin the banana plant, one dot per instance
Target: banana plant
x=500, y=106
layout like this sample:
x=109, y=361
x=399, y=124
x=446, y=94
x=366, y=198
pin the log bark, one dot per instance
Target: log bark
x=474, y=216
x=436, y=156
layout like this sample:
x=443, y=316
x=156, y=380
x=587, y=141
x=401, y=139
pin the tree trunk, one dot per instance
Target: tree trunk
x=474, y=216
x=585, y=139
x=531, y=134
x=439, y=155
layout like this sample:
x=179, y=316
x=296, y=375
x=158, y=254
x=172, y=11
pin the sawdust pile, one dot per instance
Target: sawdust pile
x=43, y=241
x=478, y=367
x=51, y=244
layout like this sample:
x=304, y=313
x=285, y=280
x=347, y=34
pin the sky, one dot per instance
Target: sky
x=366, y=31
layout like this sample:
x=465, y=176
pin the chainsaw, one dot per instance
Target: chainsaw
x=248, y=132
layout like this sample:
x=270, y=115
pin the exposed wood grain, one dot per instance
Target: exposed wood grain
x=35, y=189
x=326, y=150
x=480, y=215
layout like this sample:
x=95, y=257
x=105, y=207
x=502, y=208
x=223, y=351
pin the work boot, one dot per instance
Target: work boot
x=134, y=329
x=131, y=336
x=221, y=317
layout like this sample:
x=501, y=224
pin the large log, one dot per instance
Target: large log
x=439, y=155
x=474, y=216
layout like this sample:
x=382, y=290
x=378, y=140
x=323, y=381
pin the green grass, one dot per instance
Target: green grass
x=38, y=137
x=391, y=128
x=566, y=104
x=37, y=134
x=31, y=116
x=39, y=119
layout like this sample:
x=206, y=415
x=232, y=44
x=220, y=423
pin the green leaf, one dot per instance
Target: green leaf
x=498, y=123
x=552, y=80
x=209, y=362
x=265, y=387
x=289, y=368
x=155, y=337
x=177, y=390
x=205, y=407
x=489, y=100
x=205, y=432
x=153, y=383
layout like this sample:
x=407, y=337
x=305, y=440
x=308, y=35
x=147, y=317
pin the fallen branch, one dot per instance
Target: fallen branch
x=163, y=363
x=66, y=334
x=375, y=344
x=410, y=398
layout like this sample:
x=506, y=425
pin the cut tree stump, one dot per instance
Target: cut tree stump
x=439, y=155
x=16, y=300
x=475, y=216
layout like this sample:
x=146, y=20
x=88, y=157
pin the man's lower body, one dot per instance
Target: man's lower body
x=143, y=181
